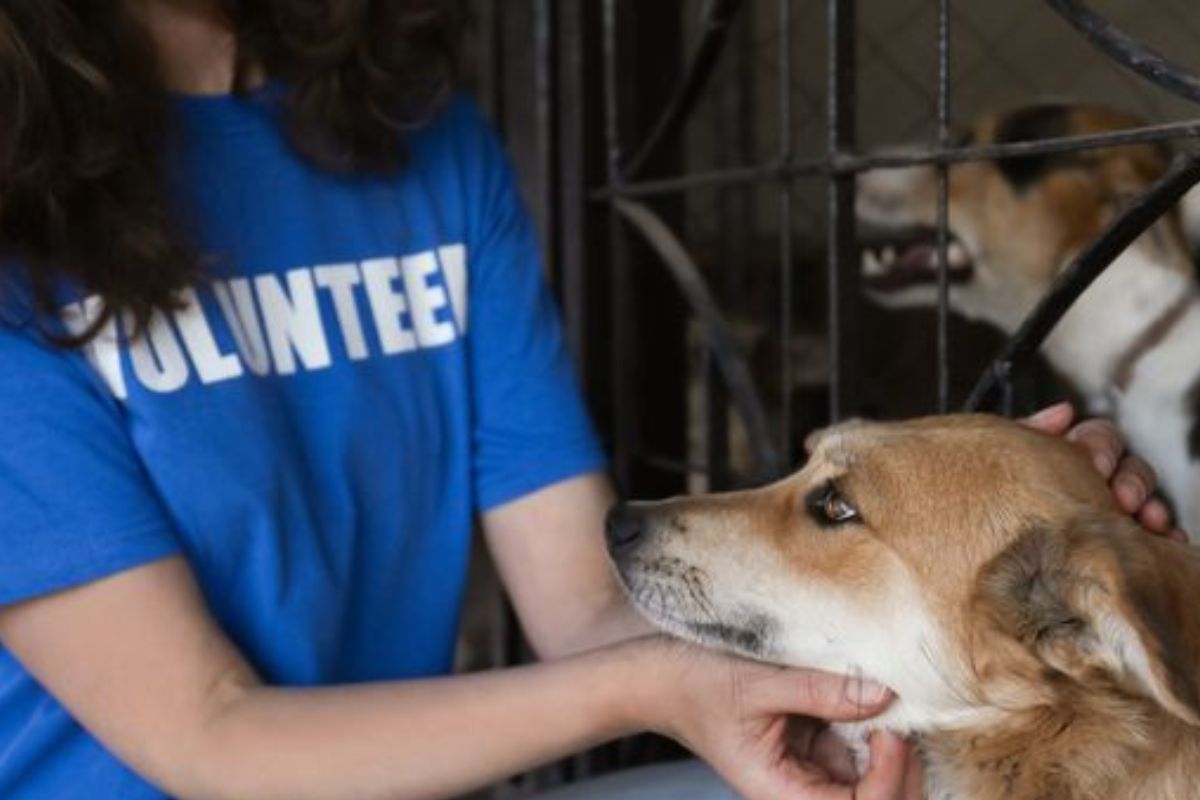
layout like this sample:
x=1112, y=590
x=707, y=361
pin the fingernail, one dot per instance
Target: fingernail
x=1129, y=493
x=1104, y=464
x=1154, y=515
x=1047, y=414
x=865, y=692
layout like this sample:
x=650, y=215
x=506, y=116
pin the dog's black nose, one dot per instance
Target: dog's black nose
x=623, y=527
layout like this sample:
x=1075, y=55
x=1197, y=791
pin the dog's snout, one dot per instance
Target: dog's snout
x=623, y=527
x=884, y=197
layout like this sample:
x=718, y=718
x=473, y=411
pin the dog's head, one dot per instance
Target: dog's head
x=1014, y=224
x=958, y=560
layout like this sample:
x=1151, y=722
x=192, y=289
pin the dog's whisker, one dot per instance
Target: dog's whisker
x=699, y=597
x=926, y=651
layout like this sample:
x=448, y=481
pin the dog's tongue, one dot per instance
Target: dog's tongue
x=916, y=257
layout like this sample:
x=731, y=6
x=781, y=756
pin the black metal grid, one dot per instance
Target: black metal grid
x=625, y=192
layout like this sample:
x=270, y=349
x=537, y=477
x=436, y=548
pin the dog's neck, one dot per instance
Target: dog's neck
x=1104, y=338
x=1046, y=736
x=1115, y=753
x=1129, y=346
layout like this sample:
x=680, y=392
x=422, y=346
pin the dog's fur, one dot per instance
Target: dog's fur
x=1041, y=644
x=1129, y=343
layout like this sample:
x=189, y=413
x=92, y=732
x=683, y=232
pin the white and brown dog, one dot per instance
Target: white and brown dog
x=1131, y=344
x=1040, y=643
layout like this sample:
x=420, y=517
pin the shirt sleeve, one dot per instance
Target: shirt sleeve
x=75, y=504
x=531, y=427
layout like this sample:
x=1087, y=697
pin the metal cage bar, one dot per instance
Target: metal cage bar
x=620, y=281
x=1128, y=51
x=785, y=210
x=943, y=209
x=852, y=164
x=841, y=139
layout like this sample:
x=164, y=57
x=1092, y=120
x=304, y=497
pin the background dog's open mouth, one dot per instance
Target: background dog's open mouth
x=898, y=259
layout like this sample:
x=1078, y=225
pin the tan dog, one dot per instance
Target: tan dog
x=1129, y=343
x=1039, y=641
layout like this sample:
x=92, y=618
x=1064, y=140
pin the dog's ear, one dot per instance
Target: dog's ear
x=813, y=439
x=1098, y=597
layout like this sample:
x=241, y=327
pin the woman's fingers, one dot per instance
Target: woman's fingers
x=1133, y=483
x=1102, y=441
x=831, y=754
x=811, y=693
x=1054, y=420
x=887, y=777
x=914, y=788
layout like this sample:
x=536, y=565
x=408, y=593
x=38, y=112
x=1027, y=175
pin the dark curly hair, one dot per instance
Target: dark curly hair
x=81, y=189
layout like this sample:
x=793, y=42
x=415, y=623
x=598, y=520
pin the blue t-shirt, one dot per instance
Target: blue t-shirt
x=367, y=363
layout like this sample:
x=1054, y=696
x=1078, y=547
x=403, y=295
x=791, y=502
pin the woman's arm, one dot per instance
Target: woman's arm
x=139, y=662
x=549, y=550
x=137, y=659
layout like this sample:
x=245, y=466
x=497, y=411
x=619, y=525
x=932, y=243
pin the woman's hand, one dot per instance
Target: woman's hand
x=741, y=717
x=1132, y=480
x=815, y=743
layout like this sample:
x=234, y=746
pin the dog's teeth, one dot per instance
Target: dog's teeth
x=956, y=255
x=871, y=263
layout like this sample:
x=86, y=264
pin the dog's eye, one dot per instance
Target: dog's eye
x=827, y=506
x=838, y=510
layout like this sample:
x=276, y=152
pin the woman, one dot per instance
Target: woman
x=273, y=331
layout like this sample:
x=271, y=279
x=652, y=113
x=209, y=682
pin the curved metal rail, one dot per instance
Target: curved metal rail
x=1086, y=268
x=718, y=337
x=1127, y=51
